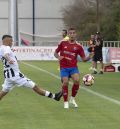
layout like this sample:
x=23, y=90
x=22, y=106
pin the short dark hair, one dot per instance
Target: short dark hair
x=6, y=36
x=71, y=28
x=65, y=31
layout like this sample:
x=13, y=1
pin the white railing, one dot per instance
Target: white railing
x=105, y=43
x=111, y=44
x=51, y=42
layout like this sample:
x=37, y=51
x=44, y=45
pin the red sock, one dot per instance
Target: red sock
x=75, y=89
x=65, y=93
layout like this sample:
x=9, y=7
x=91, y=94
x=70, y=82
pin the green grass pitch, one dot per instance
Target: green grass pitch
x=99, y=105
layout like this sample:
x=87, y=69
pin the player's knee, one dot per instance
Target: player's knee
x=6, y=90
x=76, y=81
x=65, y=83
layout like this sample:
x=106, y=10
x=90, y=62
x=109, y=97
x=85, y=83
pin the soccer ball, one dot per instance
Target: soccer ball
x=88, y=80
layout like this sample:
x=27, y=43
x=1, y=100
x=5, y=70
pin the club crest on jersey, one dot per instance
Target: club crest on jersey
x=75, y=48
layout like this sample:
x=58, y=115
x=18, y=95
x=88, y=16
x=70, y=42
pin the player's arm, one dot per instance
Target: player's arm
x=57, y=56
x=6, y=54
x=7, y=57
x=98, y=43
x=57, y=51
x=82, y=55
x=90, y=56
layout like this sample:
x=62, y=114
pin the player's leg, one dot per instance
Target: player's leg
x=6, y=87
x=92, y=67
x=101, y=67
x=65, y=91
x=95, y=68
x=101, y=63
x=95, y=64
x=75, y=87
x=23, y=81
x=65, y=82
x=43, y=92
x=2, y=94
x=76, y=83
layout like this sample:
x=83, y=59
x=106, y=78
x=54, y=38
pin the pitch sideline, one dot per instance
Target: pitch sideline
x=88, y=90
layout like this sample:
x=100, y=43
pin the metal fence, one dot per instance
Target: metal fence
x=105, y=43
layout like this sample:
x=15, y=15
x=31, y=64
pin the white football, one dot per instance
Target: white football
x=88, y=80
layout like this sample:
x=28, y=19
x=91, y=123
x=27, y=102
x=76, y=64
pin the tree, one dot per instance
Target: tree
x=82, y=15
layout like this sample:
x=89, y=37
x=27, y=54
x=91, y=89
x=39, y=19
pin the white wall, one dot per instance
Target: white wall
x=3, y=8
x=48, y=16
x=3, y=17
x=50, y=8
x=47, y=12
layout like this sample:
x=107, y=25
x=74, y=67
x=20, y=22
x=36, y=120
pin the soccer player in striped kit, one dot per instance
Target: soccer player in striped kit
x=12, y=74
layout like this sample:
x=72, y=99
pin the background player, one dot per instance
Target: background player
x=91, y=44
x=65, y=35
x=12, y=74
x=98, y=53
x=69, y=50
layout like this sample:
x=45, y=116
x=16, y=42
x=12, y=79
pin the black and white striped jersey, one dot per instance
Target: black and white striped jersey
x=10, y=70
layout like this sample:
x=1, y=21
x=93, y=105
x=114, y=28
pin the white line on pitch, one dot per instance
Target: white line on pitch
x=88, y=90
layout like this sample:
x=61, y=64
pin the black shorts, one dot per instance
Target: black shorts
x=97, y=57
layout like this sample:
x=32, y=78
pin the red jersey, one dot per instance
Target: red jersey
x=70, y=51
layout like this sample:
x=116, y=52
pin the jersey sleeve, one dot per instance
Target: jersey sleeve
x=59, y=47
x=81, y=52
x=6, y=50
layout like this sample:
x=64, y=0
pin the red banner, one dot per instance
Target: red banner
x=109, y=68
x=114, y=54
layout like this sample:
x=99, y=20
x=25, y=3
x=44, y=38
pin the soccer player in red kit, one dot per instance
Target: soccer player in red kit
x=67, y=52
